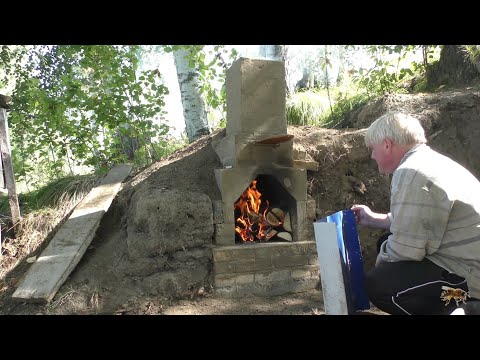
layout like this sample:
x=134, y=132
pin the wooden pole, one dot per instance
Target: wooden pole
x=8, y=168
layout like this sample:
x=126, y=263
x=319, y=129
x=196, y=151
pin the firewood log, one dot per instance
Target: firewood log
x=285, y=236
x=287, y=225
x=275, y=216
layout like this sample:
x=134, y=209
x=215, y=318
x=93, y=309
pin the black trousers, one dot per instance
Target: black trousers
x=411, y=287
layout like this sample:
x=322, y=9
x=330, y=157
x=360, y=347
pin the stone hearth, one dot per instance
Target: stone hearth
x=256, y=145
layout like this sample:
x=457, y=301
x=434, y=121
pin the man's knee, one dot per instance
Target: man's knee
x=373, y=286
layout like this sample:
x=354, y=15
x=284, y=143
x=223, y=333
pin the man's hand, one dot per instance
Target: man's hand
x=367, y=217
x=363, y=214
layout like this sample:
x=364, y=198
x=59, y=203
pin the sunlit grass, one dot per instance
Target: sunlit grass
x=342, y=108
x=306, y=107
x=319, y=107
x=67, y=189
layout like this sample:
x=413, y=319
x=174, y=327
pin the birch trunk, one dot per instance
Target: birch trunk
x=279, y=53
x=196, y=123
x=272, y=52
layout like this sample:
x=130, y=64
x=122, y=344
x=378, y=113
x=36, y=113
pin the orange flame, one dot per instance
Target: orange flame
x=251, y=223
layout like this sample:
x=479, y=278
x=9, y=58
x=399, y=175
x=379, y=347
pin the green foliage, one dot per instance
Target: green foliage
x=421, y=85
x=393, y=66
x=79, y=105
x=10, y=66
x=83, y=106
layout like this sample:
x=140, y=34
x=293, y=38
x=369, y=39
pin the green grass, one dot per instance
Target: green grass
x=53, y=194
x=307, y=107
x=342, y=108
x=473, y=52
x=313, y=107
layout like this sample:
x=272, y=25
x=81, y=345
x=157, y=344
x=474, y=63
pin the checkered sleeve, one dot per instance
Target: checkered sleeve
x=418, y=225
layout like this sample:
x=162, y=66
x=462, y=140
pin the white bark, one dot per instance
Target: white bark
x=196, y=123
x=272, y=52
x=279, y=53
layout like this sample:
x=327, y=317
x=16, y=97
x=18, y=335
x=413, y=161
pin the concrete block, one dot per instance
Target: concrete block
x=256, y=97
x=307, y=271
x=223, y=280
x=269, y=276
x=286, y=262
x=244, y=279
x=217, y=212
x=244, y=266
x=224, y=234
x=263, y=264
x=220, y=254
x=224, y=267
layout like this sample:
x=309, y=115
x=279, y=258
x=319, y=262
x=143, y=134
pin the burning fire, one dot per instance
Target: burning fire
x=252, y=222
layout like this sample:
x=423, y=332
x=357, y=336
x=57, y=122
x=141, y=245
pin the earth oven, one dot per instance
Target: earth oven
x=262, y=221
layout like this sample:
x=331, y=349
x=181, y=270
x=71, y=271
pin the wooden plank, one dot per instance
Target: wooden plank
x=8, y=170
x=48, y=273
x=3, y=187
x=331, y=273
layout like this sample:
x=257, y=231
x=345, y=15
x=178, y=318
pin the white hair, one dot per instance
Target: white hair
x=399, y=127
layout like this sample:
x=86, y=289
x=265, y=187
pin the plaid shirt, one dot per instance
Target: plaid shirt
x=435, y=213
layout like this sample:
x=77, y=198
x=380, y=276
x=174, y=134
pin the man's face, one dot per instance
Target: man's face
x=382, y=154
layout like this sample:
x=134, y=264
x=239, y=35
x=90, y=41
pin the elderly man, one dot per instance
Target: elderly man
x=430, y=261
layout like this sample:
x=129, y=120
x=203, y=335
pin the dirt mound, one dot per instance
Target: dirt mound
x=154, y=245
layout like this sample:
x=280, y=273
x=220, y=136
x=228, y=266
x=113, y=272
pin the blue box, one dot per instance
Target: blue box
x=352, y=265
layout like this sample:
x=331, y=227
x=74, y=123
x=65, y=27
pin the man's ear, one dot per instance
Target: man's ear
x=387, y=144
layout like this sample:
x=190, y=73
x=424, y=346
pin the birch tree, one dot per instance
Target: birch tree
x=280, y=53
x=272, y=52
x=196, y=123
